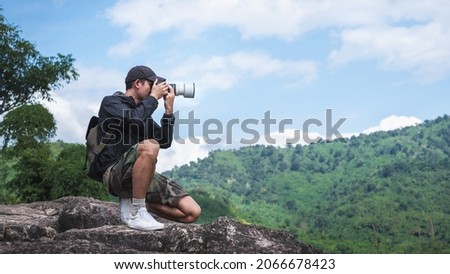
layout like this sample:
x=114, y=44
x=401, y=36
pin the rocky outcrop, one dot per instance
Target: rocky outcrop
x=86, y=225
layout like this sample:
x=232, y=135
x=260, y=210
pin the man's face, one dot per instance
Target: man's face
x=144, y=88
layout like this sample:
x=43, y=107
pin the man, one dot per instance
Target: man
x=128, y=161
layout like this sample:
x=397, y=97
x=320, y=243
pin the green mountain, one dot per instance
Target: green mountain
x=386, y=192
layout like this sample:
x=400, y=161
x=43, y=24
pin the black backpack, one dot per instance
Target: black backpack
x=93, y=145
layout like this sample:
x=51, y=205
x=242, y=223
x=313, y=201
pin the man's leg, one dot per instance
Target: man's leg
x=144, y=167
x=142, y=174
x=168, y=199
x=187, y=210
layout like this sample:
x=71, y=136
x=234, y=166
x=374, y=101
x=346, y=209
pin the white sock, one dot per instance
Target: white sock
x=138, y=202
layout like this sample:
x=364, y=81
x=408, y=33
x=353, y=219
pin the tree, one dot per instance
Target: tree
x=28, y=183
x=27, y=126
x=67, y=177
x=26, y=75
x=27, y=129
x=41, y=175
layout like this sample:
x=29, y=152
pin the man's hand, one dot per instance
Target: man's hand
x=159, y=90
x=169, y=99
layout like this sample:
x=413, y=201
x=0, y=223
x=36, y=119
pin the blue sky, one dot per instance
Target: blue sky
x=378, y=64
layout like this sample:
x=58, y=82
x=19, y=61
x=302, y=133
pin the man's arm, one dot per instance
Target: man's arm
x=164, y=134
x=120, y=107
x=168, y=120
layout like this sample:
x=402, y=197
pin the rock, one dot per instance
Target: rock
x=86, y=225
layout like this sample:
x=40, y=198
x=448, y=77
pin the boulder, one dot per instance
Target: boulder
x=81, y=225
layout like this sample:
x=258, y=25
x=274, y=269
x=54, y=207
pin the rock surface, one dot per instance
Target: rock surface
x=86, y=225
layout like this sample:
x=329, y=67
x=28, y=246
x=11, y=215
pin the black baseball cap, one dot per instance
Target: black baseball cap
x=142, y=72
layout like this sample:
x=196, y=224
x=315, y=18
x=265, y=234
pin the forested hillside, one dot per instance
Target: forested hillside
x=387, y=192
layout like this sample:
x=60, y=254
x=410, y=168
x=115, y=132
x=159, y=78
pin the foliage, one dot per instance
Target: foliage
x=31, y=169
x=39, y=171
x=217, y=205
x=47, y=172
x=67, y=177
x=28, y=183
x=387, y=192
x=26, y=126
x=25, y=74
x=7, y=172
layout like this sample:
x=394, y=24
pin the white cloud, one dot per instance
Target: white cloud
x=69, y=128
x=423, y=49
x=222, y=72
x=287, y=19
x=407, y=35
x=182, y=153
x=97, y=79
x=394, y=122
x=140, y=20
x=75, y=103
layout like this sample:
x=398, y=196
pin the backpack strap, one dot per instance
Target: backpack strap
x=93, y=145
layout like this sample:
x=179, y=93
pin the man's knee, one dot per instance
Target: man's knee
x=149, y=149
x=195, y=213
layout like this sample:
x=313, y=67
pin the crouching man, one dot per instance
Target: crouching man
x=127, y=163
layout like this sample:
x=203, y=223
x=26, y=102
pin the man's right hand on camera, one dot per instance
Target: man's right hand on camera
x=159, y=90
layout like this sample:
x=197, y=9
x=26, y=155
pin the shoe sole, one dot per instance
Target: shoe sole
x=145, y=228
x=133, y=225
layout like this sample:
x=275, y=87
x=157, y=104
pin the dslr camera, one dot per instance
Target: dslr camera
x=185, y=90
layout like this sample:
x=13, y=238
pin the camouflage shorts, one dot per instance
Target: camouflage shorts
x=118, y=181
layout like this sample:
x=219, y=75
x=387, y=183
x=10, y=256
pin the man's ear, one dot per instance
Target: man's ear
x=137, y=83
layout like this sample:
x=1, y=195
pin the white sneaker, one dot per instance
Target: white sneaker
x=126, y=208
x=142, y=220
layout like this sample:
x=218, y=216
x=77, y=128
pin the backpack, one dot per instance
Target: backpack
x=93, y=145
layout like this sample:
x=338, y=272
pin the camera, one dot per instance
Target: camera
x=186, y=90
